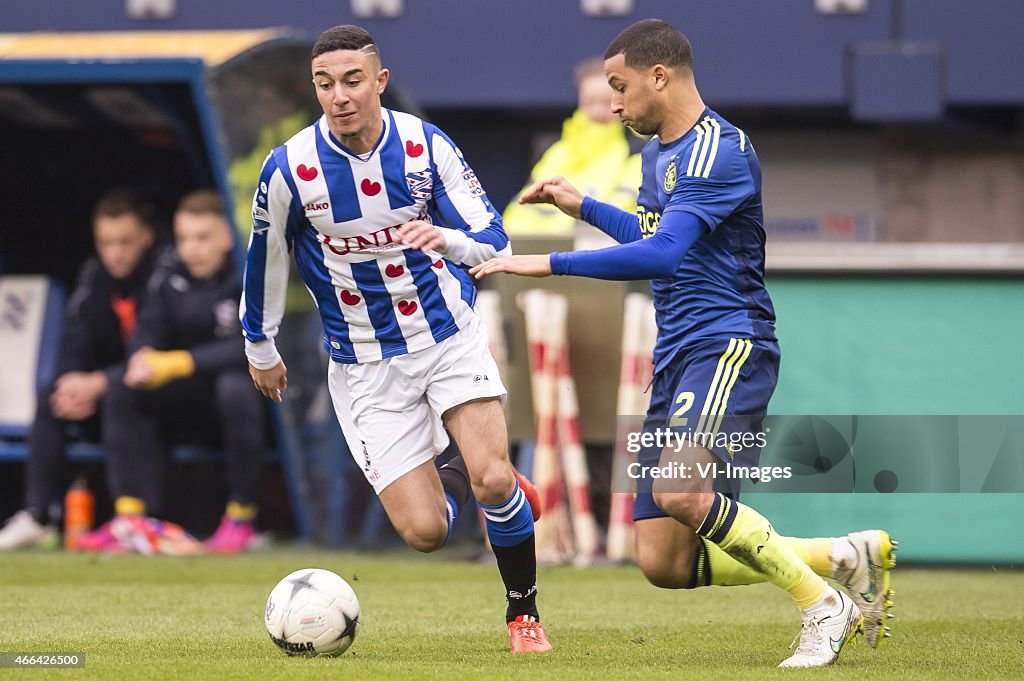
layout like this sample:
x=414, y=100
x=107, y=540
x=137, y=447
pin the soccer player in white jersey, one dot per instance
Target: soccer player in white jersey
x=385, y=217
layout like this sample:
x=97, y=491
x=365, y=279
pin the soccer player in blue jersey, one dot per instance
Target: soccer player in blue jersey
x=699, y=238
x=385, y=217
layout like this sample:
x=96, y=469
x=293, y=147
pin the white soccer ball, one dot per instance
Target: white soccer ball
x=312, y=612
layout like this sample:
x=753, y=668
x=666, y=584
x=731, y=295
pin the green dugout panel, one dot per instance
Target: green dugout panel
x=913, y=345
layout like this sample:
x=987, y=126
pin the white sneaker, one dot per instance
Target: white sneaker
x=864, y=573
x=827, y=626
x=23, y=532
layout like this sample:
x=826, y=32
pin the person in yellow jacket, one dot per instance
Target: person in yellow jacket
x=593, y=154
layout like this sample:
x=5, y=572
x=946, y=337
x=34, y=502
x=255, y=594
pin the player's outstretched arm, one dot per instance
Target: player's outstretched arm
x=470, y=231
x=620, y=225
x=557, y=191
x=653, y=258
x=523, y=265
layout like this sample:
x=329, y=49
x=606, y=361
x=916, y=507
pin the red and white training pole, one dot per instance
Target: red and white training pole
x=553, y=532
x=638, y=335
x=574, y=457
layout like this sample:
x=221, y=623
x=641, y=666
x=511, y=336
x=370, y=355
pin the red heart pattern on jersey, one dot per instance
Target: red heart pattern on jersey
x=394, y=270
x=370, y=188
x=306, y=173
x=413, y=150
x=350, y=298
x=407, y=307
x=439, y=264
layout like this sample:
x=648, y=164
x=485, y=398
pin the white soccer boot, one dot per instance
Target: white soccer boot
x=863, y=570
x=23, y=532
x=827, y=626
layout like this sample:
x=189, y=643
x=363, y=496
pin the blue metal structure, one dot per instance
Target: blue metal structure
x=48, y=170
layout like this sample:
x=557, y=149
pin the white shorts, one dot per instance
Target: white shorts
x=390, y=411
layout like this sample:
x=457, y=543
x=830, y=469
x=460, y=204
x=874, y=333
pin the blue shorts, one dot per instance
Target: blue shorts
x=716, y=393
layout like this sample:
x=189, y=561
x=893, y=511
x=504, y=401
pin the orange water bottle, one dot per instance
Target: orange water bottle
x=79, y=506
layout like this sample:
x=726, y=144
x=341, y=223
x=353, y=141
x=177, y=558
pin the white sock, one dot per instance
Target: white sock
x=843, y=555
x=829, y=601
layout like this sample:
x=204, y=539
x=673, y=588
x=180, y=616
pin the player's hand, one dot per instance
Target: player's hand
x=422, y=235
x=270, y=382
x=525, y=265
x=556, y=191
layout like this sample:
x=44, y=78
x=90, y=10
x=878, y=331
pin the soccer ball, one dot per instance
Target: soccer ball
x=312, y=612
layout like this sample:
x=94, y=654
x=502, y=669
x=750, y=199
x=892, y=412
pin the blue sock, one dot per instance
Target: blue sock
x=510, y=529
x=451, y=512
x=510, y=522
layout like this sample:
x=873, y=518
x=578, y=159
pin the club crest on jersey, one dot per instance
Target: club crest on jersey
x=671, y=175
x=421, y=184
x=472, y=184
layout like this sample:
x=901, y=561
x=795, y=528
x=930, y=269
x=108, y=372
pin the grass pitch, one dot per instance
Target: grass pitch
x=430, y=617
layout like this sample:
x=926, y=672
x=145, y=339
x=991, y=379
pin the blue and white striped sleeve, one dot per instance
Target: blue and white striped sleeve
x=266, y=268
x=472, y=227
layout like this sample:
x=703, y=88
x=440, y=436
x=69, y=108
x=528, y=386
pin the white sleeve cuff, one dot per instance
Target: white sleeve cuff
x=262, y=355
x=458, y=244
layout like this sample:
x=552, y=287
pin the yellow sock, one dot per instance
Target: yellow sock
x=244, y=512
x=721, y=569
x=816, y=552
x=129, y=506
x=749, y=538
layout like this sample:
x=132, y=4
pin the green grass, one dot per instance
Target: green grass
x=428, y=617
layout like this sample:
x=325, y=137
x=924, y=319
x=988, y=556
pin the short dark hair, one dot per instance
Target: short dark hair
x=651, y=42
x=345, y=37
x=202, y=202
x=119, y=202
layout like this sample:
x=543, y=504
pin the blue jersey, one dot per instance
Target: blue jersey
x=718, y=289
x=340, y=211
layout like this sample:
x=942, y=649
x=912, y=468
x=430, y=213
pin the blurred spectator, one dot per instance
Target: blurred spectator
x=593, y=154
x=100, y=319
x=186, y=380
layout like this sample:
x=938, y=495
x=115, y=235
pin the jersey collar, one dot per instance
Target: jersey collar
x=345, y=151
x=665, y=147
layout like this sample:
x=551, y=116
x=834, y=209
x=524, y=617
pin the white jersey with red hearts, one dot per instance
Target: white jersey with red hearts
x=340, y=211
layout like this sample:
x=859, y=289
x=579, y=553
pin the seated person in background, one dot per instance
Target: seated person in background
x=593, y=152
x=186, y=379
x=100, y=319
